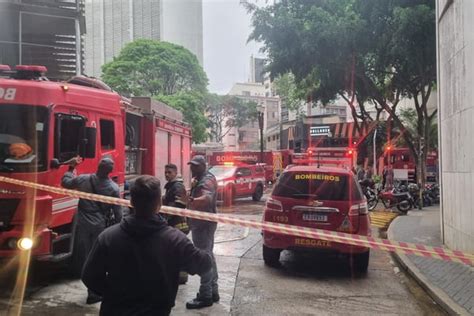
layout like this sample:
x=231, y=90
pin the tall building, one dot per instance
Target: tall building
x=111, y=24
x=455, y=45
x=182, y=25
x=257, y=70
x=43, y=33
x=247, y=137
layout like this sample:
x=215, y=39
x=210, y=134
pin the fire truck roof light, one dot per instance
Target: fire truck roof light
x=5, y=68
x=35, y=68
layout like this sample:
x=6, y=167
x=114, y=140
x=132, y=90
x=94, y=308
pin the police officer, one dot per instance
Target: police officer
x=175, y=196
x=91, y=217
x=203, y=198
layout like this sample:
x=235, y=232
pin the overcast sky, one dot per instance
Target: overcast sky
x=226, y=52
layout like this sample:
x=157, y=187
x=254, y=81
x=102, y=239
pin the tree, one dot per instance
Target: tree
x=410, y=121
x=167, y=72
x=227, y=112
x=290, y=95
x=192, y=105
x=365, y=51
x=150, y=68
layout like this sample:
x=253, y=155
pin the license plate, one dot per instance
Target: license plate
x=315, y=217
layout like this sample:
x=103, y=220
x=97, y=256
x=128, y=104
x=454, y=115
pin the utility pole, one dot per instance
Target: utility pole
x=420, y=172
x=375, y=152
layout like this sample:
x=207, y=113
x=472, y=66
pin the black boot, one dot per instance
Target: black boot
x=199, y=302
x=93, y=298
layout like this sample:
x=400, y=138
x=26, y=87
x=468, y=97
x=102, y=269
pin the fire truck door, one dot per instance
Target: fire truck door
x=244, y=182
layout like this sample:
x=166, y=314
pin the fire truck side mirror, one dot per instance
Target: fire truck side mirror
x=54, y=163
x=88, y=143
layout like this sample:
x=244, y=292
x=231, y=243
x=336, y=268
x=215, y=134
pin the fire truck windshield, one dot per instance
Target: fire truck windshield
x=23, y=136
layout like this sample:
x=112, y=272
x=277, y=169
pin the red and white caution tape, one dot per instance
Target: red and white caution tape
x=321, y=234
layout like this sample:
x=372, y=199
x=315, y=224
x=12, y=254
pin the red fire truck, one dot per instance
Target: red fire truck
x=342, y=157
x=404, y=164
x=274, y=161
x=44, y=123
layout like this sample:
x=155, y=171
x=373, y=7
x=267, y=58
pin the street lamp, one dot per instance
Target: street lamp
x=261, y=111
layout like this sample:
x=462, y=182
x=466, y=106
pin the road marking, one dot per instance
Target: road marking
x=382, y=219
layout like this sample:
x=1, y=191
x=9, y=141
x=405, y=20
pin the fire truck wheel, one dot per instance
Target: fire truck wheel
x=257, y=195
x=271, y=256
x=360, y=262
x=228, y=198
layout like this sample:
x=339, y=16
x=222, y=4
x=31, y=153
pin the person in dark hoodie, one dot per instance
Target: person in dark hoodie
x=176, y=196
x=135, y=265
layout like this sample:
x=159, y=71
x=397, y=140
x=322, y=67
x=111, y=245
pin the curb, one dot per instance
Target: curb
x=437, y=294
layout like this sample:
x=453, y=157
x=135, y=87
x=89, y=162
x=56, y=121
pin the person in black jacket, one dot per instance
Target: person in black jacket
x=176, y=196
x=135, y=265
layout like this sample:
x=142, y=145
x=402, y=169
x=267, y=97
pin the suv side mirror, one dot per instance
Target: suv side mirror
x=87, y=144
x=239, y=174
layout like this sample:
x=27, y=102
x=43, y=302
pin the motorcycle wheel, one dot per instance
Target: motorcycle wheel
x=404, y=206
x=372, y=203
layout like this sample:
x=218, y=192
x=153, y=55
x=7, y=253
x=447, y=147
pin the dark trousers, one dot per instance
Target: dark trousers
x=203, y=238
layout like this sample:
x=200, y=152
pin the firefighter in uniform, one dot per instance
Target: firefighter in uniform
x=91, y=217
x=203, y=198
x=175, y=196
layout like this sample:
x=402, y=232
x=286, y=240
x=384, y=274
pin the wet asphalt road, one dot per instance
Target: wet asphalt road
x=306, y=284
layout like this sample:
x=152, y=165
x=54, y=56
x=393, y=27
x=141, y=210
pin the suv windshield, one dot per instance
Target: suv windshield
x=222, y=171
x=317, y=185
x=22, y=138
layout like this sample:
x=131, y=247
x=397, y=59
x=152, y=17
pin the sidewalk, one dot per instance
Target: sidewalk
x=450, y=284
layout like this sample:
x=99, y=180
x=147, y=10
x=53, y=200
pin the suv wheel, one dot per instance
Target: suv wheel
x=228, y=197
x=360, y=262
x=257, y=195
x=271, y=256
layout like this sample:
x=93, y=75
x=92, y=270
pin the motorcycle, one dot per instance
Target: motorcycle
x=390, y=198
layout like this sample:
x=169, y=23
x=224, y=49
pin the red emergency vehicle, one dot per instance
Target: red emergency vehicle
x=44, y=123
x=317, y=196
x=404, y=164
x=342, y=157
x=237, y=180
x=274, y=161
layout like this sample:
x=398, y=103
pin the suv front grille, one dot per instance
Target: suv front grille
x=7, y=210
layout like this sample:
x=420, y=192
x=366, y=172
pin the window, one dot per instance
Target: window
x=69, y=129
x=244, y=171
x=273, y=137
x=269, y=138
x=293, y=185
x=107, y=134
x=246, y=93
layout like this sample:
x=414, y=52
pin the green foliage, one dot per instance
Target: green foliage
x=380, y=51
x=149, y=68
x=291, y=96
x=226, y=112
x=192, y=105
x=410, y=120
x=168, y=72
